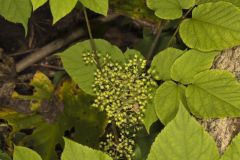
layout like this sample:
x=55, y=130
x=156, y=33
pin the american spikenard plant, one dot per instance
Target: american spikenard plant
x=122, y=89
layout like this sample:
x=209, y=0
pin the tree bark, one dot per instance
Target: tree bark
x=225, y=129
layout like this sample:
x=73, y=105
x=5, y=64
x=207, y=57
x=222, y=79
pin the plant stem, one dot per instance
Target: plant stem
x=176, y=31
x=172, y=37
x=153, y=46
x=93, y=45
x=92, y=42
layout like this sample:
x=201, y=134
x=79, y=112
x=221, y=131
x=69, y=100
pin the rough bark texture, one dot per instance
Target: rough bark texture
x=223, y=130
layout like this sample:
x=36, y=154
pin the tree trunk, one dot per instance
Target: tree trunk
x=225, y=129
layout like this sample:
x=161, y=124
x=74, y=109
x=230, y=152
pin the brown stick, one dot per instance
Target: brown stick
x=48, y=49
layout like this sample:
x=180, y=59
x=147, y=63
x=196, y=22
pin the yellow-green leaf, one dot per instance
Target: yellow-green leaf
x=183, y=139
x=61, y=8
x=73, y=150
x=82, y=73
x=169, y=9
x=150, y=115
x=37, y=3
x=167, y=99
x=23, y=153
x=17, y=11
x=162, y=63
x=191, y=63
x=98, y=6
x=232, y=152
x=213, y=26
x=235, y=2
x=214, y=94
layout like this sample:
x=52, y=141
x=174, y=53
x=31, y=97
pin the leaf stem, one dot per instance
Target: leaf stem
x=161, y=24
x=176, y=31
x=172, y=37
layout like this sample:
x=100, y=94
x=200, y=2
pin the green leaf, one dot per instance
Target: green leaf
x=143, y=144
x=183, y=139
x=17, y=11
x=191, y=63
x=214, y=94
x=232, y=152
x=150, y=115
x=162, y=63
x=235, y=2
x=4, y=156
x=167, y=99
x=82, y=73
x=37, y=3
x=73, y=150
x=45, y=137
x=213, y=26
x=135, y=9
x=131, y=53
x=88, y=122
x=23, y=153
x=61, y=8
x=97, y=6
x=169, y=9
x=21, y=121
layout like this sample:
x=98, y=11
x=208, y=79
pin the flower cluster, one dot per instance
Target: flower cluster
x=89, y=57
x=123, y=92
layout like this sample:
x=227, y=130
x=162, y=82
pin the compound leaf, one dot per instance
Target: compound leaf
x=73, y=150
x=166, y=100
x=61, y=8
x=97, y=6
x=82, y=73
x=88, y=123
x=213, y=26
x=191, y=63
x=23, y=153
x=183, y=139
x=45, y=137
x=169, y=9
x=37, y=3
x=162, y=63
x=214, y=94
x=232, y=152
x=17, y=11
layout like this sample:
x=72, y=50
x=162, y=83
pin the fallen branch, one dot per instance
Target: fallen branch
x=48, y=49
